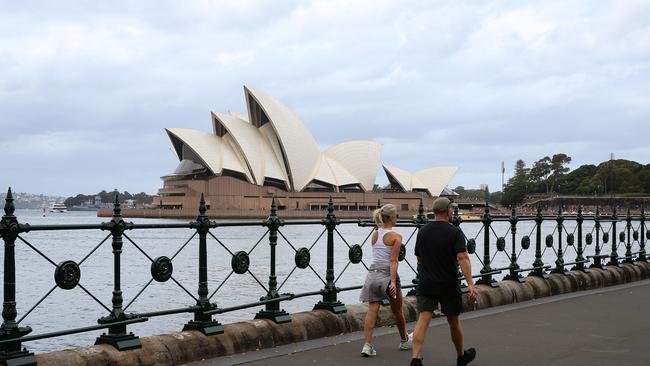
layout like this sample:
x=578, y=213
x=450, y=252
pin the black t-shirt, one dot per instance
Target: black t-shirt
x=437, y=244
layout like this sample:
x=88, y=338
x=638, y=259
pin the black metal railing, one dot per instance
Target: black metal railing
x=583, y=235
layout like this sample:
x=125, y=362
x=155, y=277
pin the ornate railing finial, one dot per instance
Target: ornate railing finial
x=202, y=207
x=9, y=203
x=117, y=209
x=330, y=206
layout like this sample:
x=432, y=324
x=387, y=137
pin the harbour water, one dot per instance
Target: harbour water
x=65, y=309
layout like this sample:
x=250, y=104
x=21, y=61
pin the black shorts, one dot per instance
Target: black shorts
x=449, y=304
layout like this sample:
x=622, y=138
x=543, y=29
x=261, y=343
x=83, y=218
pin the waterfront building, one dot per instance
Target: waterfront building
x=247, y=160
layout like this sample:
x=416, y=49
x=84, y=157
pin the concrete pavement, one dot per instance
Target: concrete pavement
x=606, y=326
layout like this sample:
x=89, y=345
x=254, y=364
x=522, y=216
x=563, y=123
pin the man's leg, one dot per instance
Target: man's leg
x=456, y=330
x=420, y=332
x=371, y=320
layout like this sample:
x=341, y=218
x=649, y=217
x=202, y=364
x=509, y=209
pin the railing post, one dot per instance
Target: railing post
x=272, y=310
x=580, y=265
x=514, y=274
x=628, y=245
x=642, y=234
x=203, y=322
x=420, y=220
x=598, y=263
x=559, y=262
x=486, y=279
x=11, y=353
x=539, y=270
x=456, y=221
x=613, y=256
x=330, y=301
x=117, y=335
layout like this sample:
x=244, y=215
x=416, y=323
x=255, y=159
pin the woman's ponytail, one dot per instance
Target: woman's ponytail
x=377, y=217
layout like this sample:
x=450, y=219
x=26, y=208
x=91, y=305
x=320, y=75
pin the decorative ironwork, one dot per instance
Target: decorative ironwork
x=549, y=241
x=402, y=253
x=302, y=258
x=355, y=254
x=501, y=244
x=203, y=321
x=570, y=239
x=487, y=271
x=67, y=275
x=330, y=300
x=539, y=270
x=471, y=246
x=162, y=269
x=580, y=259
x=240, y=262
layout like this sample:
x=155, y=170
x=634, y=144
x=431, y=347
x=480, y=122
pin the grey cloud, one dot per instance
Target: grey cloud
x=93, y=85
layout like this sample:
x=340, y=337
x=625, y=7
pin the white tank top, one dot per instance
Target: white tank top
x=381, y=251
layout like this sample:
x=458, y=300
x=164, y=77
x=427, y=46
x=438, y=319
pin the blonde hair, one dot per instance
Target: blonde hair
x=383, y=213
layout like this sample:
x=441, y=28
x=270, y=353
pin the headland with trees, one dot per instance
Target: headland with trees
x=550, y=178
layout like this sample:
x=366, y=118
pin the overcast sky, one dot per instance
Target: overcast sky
x=87, y=88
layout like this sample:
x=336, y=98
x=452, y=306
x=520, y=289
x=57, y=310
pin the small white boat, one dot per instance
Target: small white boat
x=59, y=208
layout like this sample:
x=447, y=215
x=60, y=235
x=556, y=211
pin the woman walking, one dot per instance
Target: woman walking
x=382, y=280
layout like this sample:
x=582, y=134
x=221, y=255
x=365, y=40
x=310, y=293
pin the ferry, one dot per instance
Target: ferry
x=463, y=216
x=59, y=208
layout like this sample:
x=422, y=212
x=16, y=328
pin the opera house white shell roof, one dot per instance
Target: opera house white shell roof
x=433, y=180
x=273, y=144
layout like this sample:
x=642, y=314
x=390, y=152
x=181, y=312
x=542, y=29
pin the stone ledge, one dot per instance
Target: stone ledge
x=182, y=347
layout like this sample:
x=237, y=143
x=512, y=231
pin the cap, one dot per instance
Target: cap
x=441, y=204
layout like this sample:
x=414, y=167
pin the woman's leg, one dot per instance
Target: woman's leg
x=371, y=320
x=396, y=307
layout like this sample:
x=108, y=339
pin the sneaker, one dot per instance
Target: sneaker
x=368, y=350
x=467, y=357
x=416, y=362
x=406, y=344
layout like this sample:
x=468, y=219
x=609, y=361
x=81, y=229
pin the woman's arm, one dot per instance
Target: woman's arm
x=396, y=243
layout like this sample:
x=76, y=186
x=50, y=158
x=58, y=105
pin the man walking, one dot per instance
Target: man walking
x=440, y=247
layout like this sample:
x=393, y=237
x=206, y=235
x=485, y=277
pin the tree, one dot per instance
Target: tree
x=558, y=167
x=580, y=180
x=644, y=178
x=517, y=186
x=540, y=172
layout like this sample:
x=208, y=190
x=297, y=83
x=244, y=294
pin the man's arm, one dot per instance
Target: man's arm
x=466, y=268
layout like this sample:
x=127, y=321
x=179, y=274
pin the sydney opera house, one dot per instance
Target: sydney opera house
x=248, y=159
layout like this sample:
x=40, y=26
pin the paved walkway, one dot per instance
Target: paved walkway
x=608, y=326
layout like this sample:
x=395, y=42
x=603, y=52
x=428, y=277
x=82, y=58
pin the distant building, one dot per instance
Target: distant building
x=246, y=161
x=483, y=187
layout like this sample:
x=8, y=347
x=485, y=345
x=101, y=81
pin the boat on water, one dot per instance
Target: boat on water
x=58, y=208
x=465, y=216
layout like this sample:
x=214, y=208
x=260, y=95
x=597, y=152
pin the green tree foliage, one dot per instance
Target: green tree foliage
x=540, y=173
x=548, y=172
x=552, y=175
x=559, y=168
x=108, y=197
